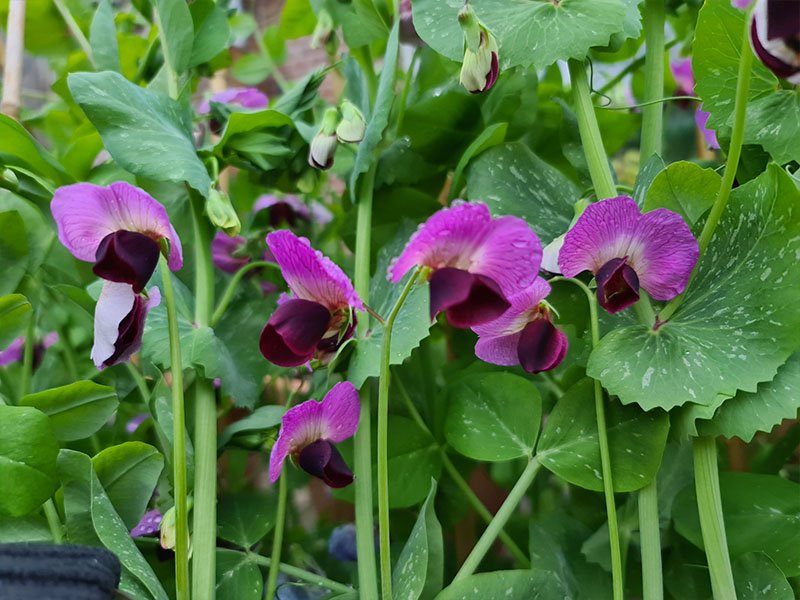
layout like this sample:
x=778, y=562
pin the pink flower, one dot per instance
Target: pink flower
x=318, y=317
x=310, y=429
x=246, y=97
x=683, y=75
x=224, y=252
x=524, y=335
x=290, y=208
x=15, y=351
x=149, y=524
x=709, y=135
x=477, y=261
x=626, y=249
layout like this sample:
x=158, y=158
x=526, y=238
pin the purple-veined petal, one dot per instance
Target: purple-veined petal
x=321, y=459
x=293, y=332
x=223, y=249
x=523, y=306
x=86, y=213
x=340, y=412
x=311, y=275
x=542, y=346
x=127, y=257
x=149, y=524
x=246, y=97
x=709, y=135
x=13, y=352
x=511, y=255
x=500, y=350
x=683, y=75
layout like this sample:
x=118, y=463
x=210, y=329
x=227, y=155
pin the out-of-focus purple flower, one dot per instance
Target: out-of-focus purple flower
x=319, y=316
x=290, y=208
x=523, y=335
x=477, y=262
x=224, y=252
x=246, y=97
x=309, y=432
x=741, y=3
x=15, y=351
x=408, y=33
x=149, y=524
x=775, y=37
x=709, y=135
x=625, y=249
x=683, y=75
x=342, y=543
x=132, y=425
x=481, y=65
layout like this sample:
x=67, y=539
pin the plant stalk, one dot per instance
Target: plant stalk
x=277, y=538
x=653, y=114
x=230, y=291
x=303, y=575
x=75, y=30
x=53, y=521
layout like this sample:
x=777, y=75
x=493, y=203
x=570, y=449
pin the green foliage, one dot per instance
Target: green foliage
x=533, y=583
x=103, y=39
x=684, y=188
x=758, y=578
x=15, y=311
x=244, y=519
x=177, y=37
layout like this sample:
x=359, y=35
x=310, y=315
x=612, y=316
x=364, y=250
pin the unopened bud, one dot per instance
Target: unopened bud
x=352, y=126
x=481, y=67
x=323, y=30
x=323, y=146
x=221, y=213
x=167, y=533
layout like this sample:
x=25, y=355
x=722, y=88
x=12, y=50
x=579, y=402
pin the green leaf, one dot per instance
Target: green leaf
x=762, y=514
x=129, y=473
x=569, y=445
x=684, y=188
x=103, y=39
x=146, y=133
x=493, y=417
x=533, y=584
x=178, y=33
x=28, y=452
x=644, y=179
x=361, y=22
x=303, y=95
x=419, y=572
x=758, y=578
x=19, y=149
x=297, y=19
x=24, y=529
x=238, y=577
x=212, y=32
x=773, y=122
x=379, y=118
x=728, y=334
x=512, y=180
x=251, y=69
x=244, y=519
x=13, y=250
x=412, y=323
x=263, y=418
x=528, y=33
x=91, y=519
x=748, y=413
x=493, y=135
x=15, y=310
x=242, y=123
x=77, y=410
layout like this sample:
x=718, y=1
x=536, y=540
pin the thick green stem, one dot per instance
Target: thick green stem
x=230, y=291
x=652, y=114
x=53, y=521
x=709, y=507
x=27, y=357
x=596, y=159
x=277, y=538
x=303, y=575
x=178, y=441
x=498, y=522
x=731, y=165
x=383, y=437
x=650, y=541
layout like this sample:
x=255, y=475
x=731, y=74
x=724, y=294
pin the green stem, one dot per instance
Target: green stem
x=596, y=159
x=651, y=103
x=53, y=521
x=460, y=482
x=277, y=538
x=169, y=68
x=75, y=29
x=650, y=541
x=652, y=111
x=401, y=108
x=709, y=507
x=383, y=436
x=731, y=165
x=632, y=66
x=179, y=440
x=27, y=357
x=303, y=575
x=140, y=381
x=365, y=518
x=498, y=522
x=230, y=291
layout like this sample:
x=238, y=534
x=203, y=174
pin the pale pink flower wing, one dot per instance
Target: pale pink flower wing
x=115, y=302
x=340, y=412
x=86, y=213
x=299, y=427
x=518, y=314
x=244, y=97
x=310, y=274
x=501, y=350
x=511, y=255
x=683, y=75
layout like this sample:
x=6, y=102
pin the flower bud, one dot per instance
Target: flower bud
x=352, y=126
x=221, y=213
x=775, y=37
x=323, y=146
x=481, y=65
x=168, y=530
x=323, y=30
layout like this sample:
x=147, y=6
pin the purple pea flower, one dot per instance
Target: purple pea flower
x=246, y=97
x=523, y=335
x=309, y=432
x=477, y=262
x=684, y=77
x=775, y=37
x=149, y=524
x=224, y=252
x=121, y=229
x=709, y=135
x=740, y=3
x=625, y=249
x=15, y=351
x=132, y=425
x=319, y=316
x=290, y=209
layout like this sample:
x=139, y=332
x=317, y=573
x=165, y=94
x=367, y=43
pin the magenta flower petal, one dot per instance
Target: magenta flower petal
x=293, y=332
x=149, y=524
x=511, y=255
x=223, y=249
x=542, y=346
x=524, y=305
x=658, y=245
x=683, y=75
x=740, y=3
x=310, y=275
x=468, y=299
x=86, y=213
x=709, y=135
x=127, y=257
x=246, y=97
x=334, y=420
x=501, y=350
x=13, y=352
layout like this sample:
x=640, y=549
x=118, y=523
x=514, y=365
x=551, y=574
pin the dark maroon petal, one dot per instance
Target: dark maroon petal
x=294, y=330
x=448, y=287
x=282, y=212
x=126, y=257
x=467, y=299
x=783, y=20
x=129, y=336
x=321, y=459
x=542, y=346
x=494, y=71
x=773, y=63
x=332, y=343
x=617, y=285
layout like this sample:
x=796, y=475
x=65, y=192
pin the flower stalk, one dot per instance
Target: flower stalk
x=277, y=538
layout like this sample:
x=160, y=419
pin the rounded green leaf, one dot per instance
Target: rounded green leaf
x=77, y=410
x=28, y=452
x=244, y=519
x=570, y=448
x=533, y=584
x=684, y=188
x=493, y=416
x=238, y=577
x=758, y=578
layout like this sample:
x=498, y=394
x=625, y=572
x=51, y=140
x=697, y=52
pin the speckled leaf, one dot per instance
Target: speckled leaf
x=569, y=446
x=530, y=32
x=532, y=584
x=762, y=514
x=493, y=417
x=728, y=334
x=178, y=34
x=512, y=180
x=684, y=188
x=758, y=578
x=773, y=122
x=238, y=577
x=418, y=573
x=245, y=518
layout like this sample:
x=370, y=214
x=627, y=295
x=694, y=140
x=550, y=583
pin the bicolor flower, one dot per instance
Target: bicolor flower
x=290, y=209
x=15, y=351
x=319, y=315
x=481, y=64
x=477, y=262
x=323, y=145
x=122, y=230
x=246, y=97
x=226, y=252
x=775, y=37
x=626, y=250
x=523, y=335
x=309, y=432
